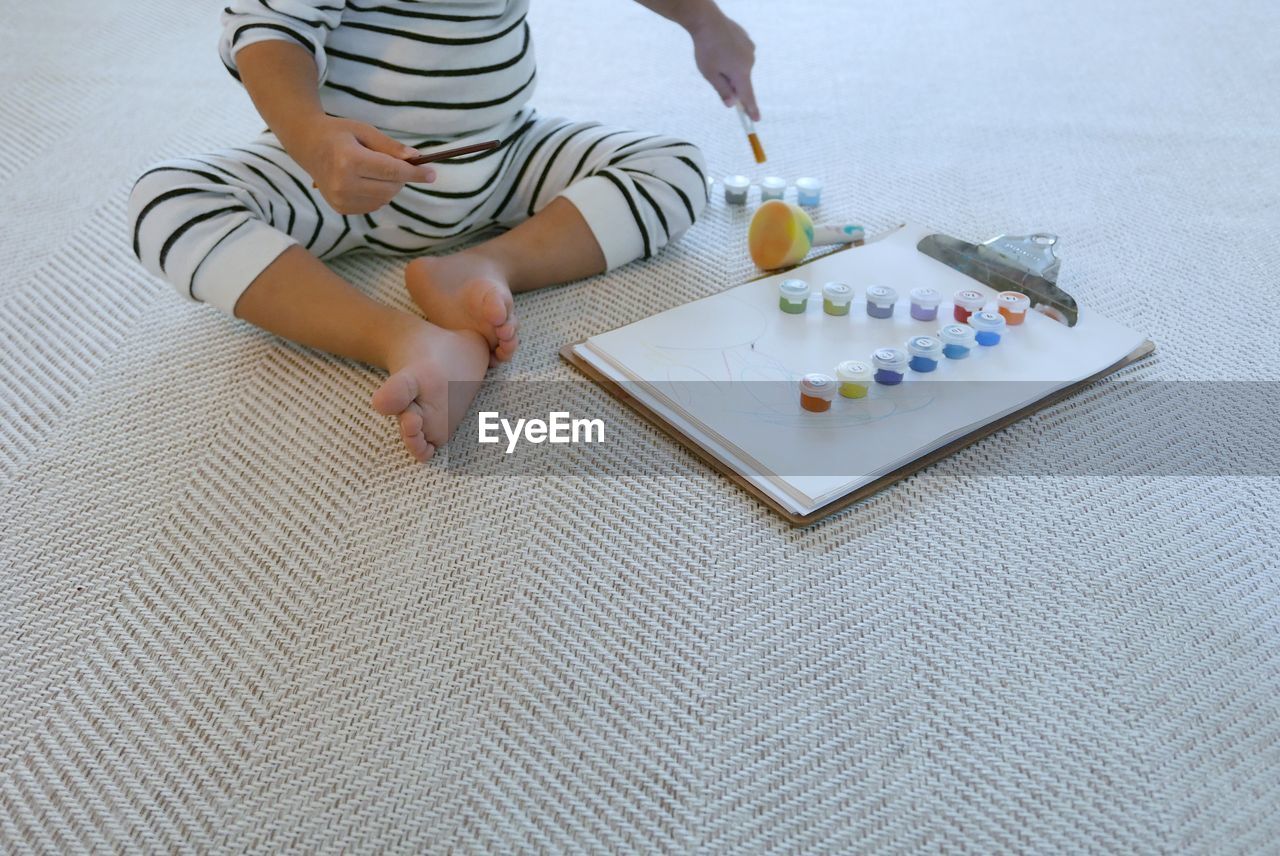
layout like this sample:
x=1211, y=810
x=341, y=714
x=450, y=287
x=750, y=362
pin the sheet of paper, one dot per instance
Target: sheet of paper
x=726, y=369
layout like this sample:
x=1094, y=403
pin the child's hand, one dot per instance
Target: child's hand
x=357, y=168
x=725, y=54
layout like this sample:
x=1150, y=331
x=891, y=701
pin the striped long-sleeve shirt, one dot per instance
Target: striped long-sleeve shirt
x=437, y=69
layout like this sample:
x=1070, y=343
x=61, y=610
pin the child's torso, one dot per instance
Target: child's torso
x=436, y=69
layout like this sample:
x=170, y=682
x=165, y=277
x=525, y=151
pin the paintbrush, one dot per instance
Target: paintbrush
x=750, y=128
x=449, y=154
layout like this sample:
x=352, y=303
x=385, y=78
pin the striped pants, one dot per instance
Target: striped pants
x=210, y=224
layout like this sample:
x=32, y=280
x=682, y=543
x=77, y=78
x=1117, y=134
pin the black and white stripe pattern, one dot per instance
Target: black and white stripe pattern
x=440, y=68
x=211, y=224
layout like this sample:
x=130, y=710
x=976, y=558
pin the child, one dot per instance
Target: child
x=349, y=91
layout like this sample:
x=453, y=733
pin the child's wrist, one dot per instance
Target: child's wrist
x=695, y=15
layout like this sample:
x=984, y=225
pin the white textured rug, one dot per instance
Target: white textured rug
x=234, y=617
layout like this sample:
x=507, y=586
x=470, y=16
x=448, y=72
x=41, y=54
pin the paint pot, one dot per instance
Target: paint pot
x=968, y=302
x=772, y=188
x=880, y=301
x=836, y=297
x=957, y=341
x=735, y=189
x=793, y=296
x=987, y=327
x=891, y=365
x=809, y=192
x=854, y=377
x=924, y=303
x=1013, y=305
x=925, y=352
x=817, y=391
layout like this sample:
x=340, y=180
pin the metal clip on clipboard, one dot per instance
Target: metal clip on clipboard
x=1025, y=263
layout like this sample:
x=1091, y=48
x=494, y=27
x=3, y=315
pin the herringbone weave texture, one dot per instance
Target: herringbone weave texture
x=234, y=618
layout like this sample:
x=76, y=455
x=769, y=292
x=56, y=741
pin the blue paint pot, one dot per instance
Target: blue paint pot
x=925, y=352
x=987, y=327
x=957, y=341
x=891, y=365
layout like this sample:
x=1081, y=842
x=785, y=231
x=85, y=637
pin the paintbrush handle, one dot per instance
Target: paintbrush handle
x=833, y=234
x=449, y=154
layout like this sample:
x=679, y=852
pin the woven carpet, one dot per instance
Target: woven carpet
x=235, y=617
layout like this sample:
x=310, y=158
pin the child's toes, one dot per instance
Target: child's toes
x=507, y=330
x=411, y=425
x=396, y=393
x=506, y=348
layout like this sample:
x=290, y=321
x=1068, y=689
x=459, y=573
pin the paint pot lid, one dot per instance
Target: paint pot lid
x=737, y=182
x=986, y=321
x=970, y=299
x=957, y=334
x=818, y=385
x=894, y=359
x=837, y=292
x=924, y=346
x=881, y=294
x=793, y=288
x=853, y=370
x=808, y=184
x=1014, y=301
x=774, y=183
x=925, y=296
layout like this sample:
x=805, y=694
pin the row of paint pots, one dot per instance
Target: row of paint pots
x=793, y=298
x=808, y=190
x=889, y=366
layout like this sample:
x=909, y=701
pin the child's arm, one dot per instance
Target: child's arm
x=357, y=168
x=722, y=49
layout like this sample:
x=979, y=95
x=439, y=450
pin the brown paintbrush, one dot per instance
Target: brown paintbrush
x=449, y=154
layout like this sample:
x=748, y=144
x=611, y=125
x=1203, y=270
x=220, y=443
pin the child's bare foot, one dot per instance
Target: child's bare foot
x=435, y=374
x=466, y=291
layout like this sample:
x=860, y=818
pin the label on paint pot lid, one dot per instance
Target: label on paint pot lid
x=837, y=292
x=807, y=184
x=986, y=321
x=853, y=370
x=957, y=334
x=793, y=288
x=881, y=294
x=773, y=183
x=1014, y=301
x=970, y=299
x=924, y=346
x=818, y=385
x=925, y=296
x=737, y=182
x=890, y=358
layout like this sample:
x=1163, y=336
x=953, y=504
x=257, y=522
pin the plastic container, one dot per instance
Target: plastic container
x=987, y=326
x=1013, y=305
x=957, y=341
x=854, y=377
x=772, y=188
x=735, y=189
x=836, y=297
x=808, y=192
x=880, y=301
x=817, y=391
x=968, y=302
x=793, y=296
x=890, y=364
x=924, y=303
x=925, y=352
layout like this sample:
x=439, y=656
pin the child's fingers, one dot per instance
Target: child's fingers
x=382, y=167
x=747, y=95
x=721, y=85
x=371, y=138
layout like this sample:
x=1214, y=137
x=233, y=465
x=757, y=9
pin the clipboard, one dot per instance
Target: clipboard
x=857, y=495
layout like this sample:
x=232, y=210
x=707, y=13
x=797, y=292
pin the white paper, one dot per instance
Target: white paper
x=813, y=458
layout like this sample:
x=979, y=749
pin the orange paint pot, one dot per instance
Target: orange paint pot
x=1013, y=305
x=817, y=391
